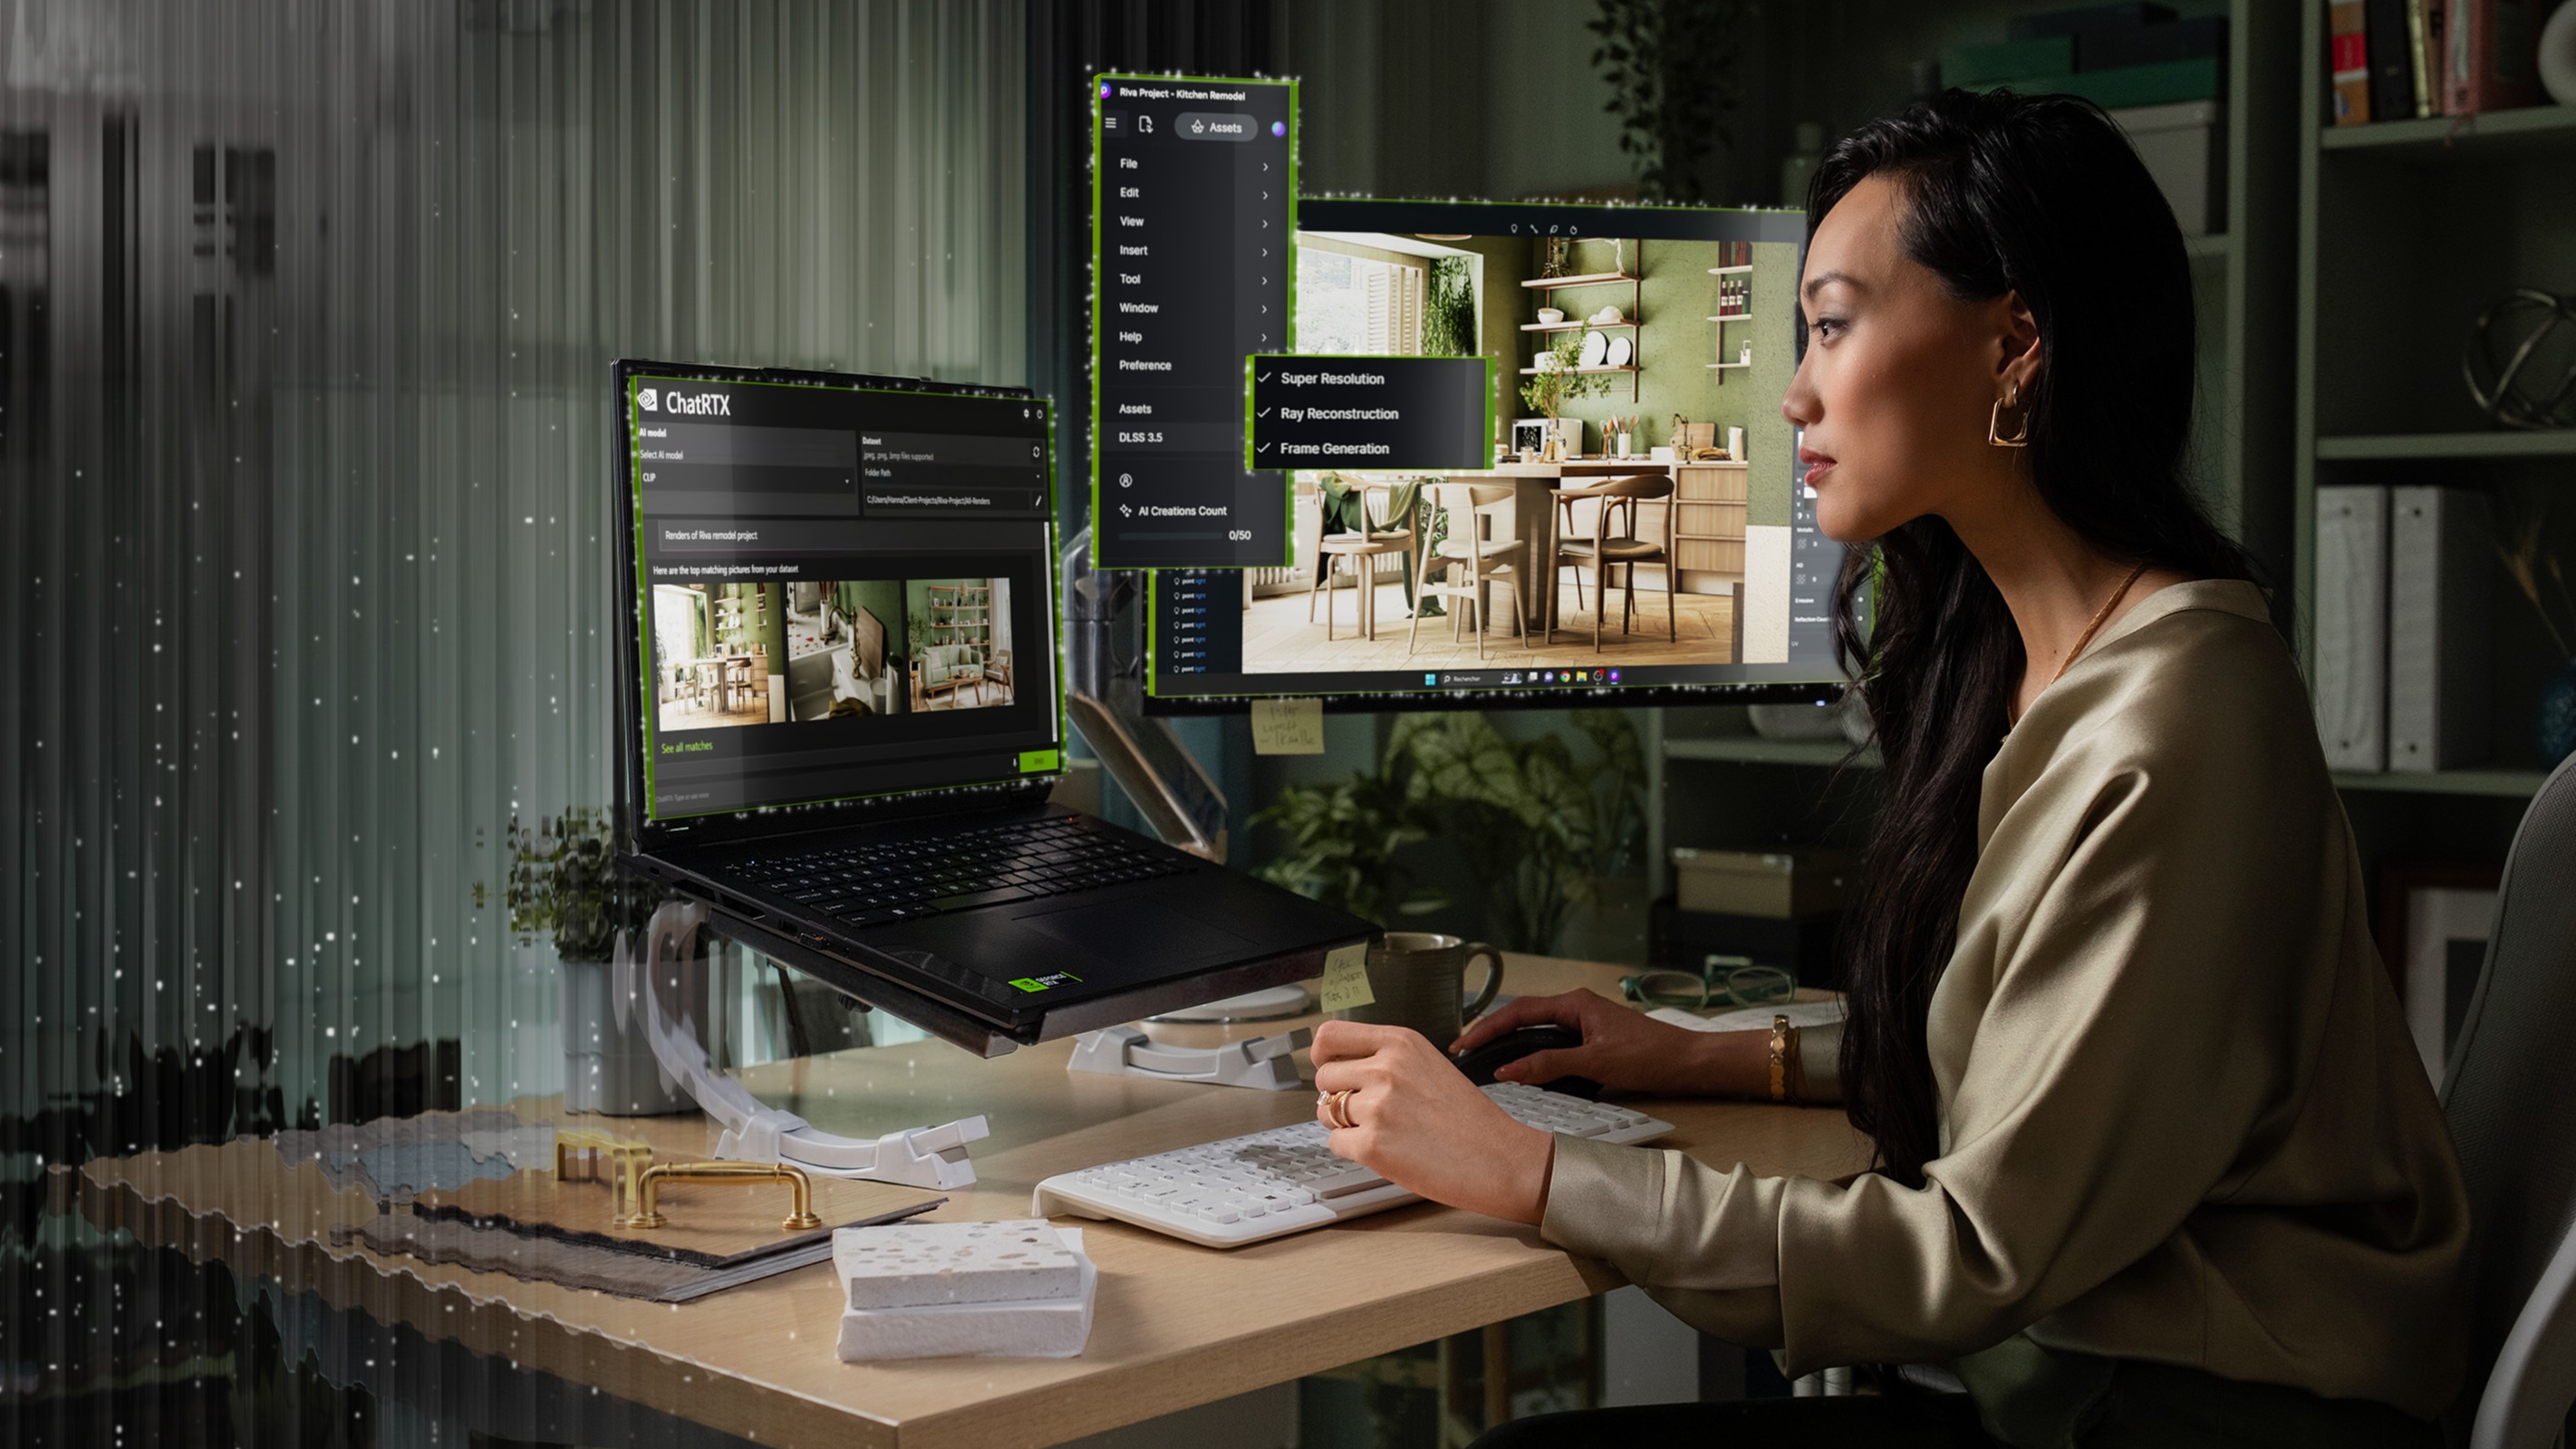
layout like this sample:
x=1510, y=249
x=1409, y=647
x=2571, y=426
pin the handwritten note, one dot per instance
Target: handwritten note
x=1346, y=982
x=1287, y=726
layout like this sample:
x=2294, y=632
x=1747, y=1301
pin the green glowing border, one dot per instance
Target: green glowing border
x=643, y=594
x=1287, y=491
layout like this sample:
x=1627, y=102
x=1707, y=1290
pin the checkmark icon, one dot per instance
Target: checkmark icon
x=1264, y=448
x=1261, y=377
x=1265, y=412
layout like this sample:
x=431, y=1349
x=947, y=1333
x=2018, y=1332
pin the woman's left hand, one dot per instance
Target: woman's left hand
x=1423, y=1126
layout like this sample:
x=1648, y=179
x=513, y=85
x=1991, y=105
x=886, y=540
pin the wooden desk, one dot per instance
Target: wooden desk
x=1176, y=1325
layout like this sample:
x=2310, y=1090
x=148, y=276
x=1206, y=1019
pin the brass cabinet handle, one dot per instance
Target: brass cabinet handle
x=626, y=1159
x=747, y=1174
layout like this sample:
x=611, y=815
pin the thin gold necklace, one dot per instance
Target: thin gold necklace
x=2095, y=627
x=2067, y=660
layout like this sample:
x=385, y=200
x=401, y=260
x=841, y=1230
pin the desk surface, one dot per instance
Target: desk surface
x=1175, y=1326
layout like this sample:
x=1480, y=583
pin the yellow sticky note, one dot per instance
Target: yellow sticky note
x=1287, y=726
x=1346, y=981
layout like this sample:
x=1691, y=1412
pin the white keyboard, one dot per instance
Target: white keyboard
x=1286, y=1180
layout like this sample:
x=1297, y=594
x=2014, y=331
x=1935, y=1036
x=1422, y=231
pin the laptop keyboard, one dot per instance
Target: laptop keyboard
x=897, y=880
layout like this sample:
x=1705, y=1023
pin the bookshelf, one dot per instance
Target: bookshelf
x=2407, y=231
x=1624, y=272
x=962, y=614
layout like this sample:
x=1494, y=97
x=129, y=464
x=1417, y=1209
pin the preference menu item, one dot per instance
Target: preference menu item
x=1193, y=206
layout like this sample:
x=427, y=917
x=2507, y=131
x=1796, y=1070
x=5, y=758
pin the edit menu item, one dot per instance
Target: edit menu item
x=1193, y=211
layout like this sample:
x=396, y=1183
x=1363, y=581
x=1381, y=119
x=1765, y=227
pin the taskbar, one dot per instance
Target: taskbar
x=1500, y=685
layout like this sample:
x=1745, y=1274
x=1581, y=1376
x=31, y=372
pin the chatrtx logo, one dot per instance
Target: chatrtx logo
x=700, y=404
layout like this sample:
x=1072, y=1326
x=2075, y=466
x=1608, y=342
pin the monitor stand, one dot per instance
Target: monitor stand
x=933, y=1157
x=1268, y=1004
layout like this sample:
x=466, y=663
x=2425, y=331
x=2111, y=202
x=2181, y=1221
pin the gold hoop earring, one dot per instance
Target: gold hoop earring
x=1995, y=429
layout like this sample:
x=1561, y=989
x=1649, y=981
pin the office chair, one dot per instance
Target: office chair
x=2510, y=1099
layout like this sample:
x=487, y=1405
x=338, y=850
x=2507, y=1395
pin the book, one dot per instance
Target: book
x=2392, y=75
x=2491, y=56
x=2348, y=60
x=2422, y=29
x=2351, y=685
x=2440, y=584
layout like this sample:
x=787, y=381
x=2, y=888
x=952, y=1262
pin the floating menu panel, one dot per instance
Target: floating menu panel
x=1193, y=202
x=1309, y=411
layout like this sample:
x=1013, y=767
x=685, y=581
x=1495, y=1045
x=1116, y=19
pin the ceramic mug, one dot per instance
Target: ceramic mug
x=1420, y=981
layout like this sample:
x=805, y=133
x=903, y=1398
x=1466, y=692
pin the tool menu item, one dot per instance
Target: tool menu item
x=1312, y=411
x=1193, y=206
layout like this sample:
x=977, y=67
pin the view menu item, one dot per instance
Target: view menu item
x=1193, y=206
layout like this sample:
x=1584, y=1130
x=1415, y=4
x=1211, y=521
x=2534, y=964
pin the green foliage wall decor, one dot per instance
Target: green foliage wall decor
x=1449, y=309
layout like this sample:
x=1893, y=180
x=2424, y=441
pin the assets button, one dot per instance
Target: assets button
x=1215, y=126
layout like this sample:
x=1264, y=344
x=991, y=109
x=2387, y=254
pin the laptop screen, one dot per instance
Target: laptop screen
x=844, y=587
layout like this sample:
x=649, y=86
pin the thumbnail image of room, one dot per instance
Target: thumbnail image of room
x=714, y=646
x=841, y=636
x=1596, y=552
x=959, y=632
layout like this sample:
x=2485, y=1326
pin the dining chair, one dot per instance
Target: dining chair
x=1379, y=536
x=1606, y=550
x=1486, y=562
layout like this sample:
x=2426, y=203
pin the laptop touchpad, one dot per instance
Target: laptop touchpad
x=1121, y=932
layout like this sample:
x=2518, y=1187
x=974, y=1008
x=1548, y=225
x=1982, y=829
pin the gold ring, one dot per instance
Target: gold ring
x=1337, y=1109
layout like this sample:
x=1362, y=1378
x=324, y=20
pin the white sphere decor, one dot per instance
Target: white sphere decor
x=2558, y=54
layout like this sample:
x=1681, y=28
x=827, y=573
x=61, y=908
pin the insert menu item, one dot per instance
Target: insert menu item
x=1307, y=411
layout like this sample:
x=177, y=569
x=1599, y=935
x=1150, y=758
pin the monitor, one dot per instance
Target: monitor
x=1629, y=363
x=843, y=593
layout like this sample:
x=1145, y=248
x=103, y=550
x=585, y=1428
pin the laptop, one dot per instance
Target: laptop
x=841, y=714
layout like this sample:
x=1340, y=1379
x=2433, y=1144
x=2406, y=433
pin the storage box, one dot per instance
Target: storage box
x=2184, y=147
x=1801, y=945
x=1774, y=884
x=2086, y=19
x=1964, y=65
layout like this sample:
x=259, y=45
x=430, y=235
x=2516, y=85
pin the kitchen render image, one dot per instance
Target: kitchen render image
x=714, y=646
x=1639, y=452
x=842, y=638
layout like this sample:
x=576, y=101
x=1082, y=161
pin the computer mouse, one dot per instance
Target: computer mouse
x=1511, y=1046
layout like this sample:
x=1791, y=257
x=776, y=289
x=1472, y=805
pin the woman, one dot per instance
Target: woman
x=2156, y=1160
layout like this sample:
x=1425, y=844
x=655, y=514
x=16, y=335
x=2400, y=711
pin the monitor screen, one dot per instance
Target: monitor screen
x=843, y=588
x=1635, y=524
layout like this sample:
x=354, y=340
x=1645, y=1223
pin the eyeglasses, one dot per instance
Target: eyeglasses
x=1721, y=981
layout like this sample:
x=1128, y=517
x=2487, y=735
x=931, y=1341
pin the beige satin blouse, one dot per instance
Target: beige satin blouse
x=2181, y=1117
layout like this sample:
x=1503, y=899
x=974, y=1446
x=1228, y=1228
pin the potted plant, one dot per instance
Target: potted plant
x=1344, y=842
x=1547, y=838
x=1559, y=381
x=564, y=883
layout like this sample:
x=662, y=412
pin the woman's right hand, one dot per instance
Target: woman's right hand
x=1623, y=1049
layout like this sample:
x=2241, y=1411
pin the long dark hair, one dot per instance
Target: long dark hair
x=2038, y=195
